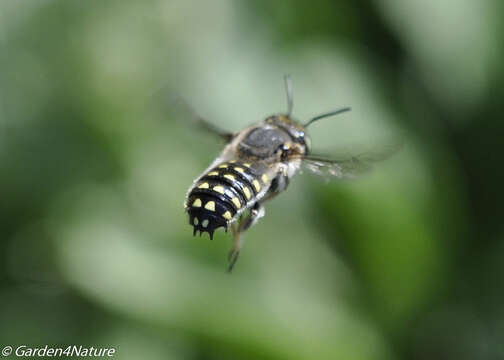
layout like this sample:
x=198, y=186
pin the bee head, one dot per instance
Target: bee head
x=301, y=143
x=300, y=139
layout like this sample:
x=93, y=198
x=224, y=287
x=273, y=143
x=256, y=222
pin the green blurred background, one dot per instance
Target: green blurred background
x=96, y=250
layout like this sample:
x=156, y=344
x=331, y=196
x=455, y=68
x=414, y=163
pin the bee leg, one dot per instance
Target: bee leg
x=234, y=253
x=253, y=216
x=279, y=184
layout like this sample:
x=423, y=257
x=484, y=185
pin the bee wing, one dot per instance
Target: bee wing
x=181, y=107
x=335, y=169
x=348, y=167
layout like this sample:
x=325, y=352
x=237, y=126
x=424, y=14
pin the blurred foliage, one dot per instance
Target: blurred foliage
x=406, y=262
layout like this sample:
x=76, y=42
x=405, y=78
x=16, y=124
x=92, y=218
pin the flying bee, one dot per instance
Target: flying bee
x=255, y=166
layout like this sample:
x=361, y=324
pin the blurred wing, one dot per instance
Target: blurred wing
x=347, y=168
x=179, y=109
x=333, y=169
x=187, y=112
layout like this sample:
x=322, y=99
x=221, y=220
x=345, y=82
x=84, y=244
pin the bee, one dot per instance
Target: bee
x=255, y=166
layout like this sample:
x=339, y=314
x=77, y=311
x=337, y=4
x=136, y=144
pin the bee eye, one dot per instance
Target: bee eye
x=284, y=151
x=306, y=143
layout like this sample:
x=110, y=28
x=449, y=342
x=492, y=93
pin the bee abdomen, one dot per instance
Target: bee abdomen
x=208, y=212
x=220, y=194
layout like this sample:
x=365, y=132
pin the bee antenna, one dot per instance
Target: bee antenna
x=331, y=113
x=288, y=90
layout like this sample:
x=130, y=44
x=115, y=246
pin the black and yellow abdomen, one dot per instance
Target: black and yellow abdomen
x=223, y=193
